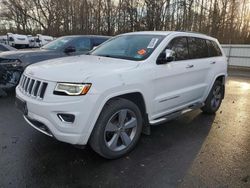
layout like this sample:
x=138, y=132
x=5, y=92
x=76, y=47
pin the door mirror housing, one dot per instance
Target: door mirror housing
x=69, y=49
x=166, y=57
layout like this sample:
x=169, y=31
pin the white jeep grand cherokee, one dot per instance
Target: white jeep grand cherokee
x=109, y=97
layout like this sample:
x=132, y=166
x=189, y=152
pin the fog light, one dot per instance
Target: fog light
x=67, y=118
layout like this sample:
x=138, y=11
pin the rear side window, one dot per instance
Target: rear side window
x=11, y=39
x=2, y=48
x=82, y=44
x=213, y=49
x=180, y=47
x=98, y=41
x=197, y=48
x=21, y=38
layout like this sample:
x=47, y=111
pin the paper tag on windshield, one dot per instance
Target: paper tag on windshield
x=153, y=42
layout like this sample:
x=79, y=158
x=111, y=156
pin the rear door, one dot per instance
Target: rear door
x=199, y=53
x=217, y=62
x=183, y=81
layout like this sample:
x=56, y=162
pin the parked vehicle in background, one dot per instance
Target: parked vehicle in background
x=12, y=64
x=3, y=39
x=32, y=42
x=132, y=81
x=42, y=40
x=17, y=41
x=4, y=48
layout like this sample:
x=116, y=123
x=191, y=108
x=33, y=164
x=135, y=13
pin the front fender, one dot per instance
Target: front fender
x=110, y=94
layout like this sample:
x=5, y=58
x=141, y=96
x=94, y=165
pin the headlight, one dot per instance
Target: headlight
x=16, y=63
x=13, y=62
x=71, y=89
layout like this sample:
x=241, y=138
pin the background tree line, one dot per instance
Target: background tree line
x=227, y=20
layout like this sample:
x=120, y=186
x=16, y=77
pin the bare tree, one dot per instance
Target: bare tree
x=228, y=20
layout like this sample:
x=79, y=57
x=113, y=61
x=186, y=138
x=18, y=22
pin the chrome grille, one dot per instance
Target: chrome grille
x=32, y=87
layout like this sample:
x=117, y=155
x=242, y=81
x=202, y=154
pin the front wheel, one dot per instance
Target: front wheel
x=117, y=130
x=214, y=99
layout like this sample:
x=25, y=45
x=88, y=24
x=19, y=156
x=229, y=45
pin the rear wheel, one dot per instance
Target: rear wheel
x=214, y=99
x=117, y=130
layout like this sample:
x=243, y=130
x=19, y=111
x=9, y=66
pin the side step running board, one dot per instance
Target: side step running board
x=176, y=114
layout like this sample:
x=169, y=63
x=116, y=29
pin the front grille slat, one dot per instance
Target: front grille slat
x=24, y=80
x=33, y=87
x=26, y=85
x=43, y=89
x=21, y=80
x=39, y=90
x=36, y=88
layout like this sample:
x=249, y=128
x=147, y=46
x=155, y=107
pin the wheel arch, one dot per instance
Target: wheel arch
x=220, y=77
x=135, y=96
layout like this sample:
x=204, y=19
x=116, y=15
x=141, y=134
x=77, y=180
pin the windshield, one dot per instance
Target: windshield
x=131, y=47
x=57, y=44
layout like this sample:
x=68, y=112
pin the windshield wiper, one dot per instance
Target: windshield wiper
x=118, y=57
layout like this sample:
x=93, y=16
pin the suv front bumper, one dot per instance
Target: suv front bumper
x=43, y=116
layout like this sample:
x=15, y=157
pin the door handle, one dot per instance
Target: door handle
x=213, y=63
x=189, y=66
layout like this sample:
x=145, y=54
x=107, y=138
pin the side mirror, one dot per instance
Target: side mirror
x=166, y=57
x=69, y=49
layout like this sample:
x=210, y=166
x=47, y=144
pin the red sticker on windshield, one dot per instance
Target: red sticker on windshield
x=142, y=52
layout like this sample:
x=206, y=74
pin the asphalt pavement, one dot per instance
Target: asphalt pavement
x=195, y=150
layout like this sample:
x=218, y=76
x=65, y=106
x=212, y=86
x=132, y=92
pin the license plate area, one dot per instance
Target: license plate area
x=22, y=106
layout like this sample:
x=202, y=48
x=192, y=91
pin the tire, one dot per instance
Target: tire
x=214, y=99
x=117, y=129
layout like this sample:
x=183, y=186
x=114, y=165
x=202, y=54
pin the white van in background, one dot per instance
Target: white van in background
x=3, y=39
x=18, y=41
x=32, y=41
x=41, y=40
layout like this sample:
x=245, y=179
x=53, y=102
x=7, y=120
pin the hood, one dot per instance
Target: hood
x=78, y=68
x=29, y=56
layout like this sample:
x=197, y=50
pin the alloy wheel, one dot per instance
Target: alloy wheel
x=120, y=130
x=216, y=99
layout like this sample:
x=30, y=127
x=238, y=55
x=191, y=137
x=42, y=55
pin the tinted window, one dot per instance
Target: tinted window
x=98, y=41
x=2, y=48
x=82, y=44
x=180, y=47
x=11, y=39
x=213, y=48
x=197, y=48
